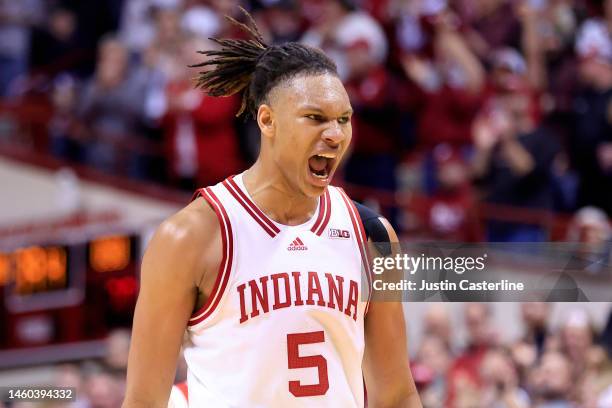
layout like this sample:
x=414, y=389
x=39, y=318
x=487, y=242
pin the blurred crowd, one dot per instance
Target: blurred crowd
x=501, y=107
x=567, y=366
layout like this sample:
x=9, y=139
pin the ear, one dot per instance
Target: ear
x=265, y=120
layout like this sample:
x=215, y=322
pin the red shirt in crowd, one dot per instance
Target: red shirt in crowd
x=210, y=124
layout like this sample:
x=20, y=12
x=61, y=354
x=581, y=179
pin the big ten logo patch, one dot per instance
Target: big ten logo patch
x=339, y=233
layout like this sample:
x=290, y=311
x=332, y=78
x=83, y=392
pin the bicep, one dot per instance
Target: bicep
x=165, y=302
x=386, y=364
x=386, y=356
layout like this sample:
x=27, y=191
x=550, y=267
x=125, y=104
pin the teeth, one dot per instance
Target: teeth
x=318, y=176
x=327, y=155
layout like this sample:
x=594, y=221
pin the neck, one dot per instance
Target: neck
x=275, y=197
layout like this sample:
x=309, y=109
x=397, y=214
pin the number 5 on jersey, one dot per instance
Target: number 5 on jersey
x=296, y=361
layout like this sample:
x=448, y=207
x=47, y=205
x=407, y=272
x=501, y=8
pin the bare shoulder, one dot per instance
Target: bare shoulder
x=185, y=243
x=196, y=221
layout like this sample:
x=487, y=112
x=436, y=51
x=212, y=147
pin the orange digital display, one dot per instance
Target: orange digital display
x=39, y=269
x=5, y=269
x=111, y=253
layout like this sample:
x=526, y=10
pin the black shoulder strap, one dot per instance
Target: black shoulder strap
x=374, y=228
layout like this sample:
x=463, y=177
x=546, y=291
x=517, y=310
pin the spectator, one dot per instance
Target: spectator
x=62, y=128
x=524, y=355
x=168, y=39
x=592, y=139
x=198, y=129
x=548, y=36
x=513, y=163
x=535, y=316
x=112, y=109
x=376, y=144
x=281, y=21
x=103, y=390
x=336, y=25
x=117, y=348
x=490, y=24
x=501, y=383
x=429, y=370
x=94, y=21
x=451, y=80
x=596, y=380
x=54, y=47
x=163, y=63
x=576, y=340
x=511, y=76
x=552, y=382
x=536, y=338
x=137, y=27
x=437, y=323
x=464, y=377
x=69, y=375
x=451, y=211
x=200, y=20
x=16, y=20
x=590, y=230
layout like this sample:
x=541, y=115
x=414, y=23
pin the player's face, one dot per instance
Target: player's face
x=311, y=132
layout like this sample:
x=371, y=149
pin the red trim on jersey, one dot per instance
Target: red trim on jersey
x=261, y=218
x=324, y=214
x=225, y=266
x=197, y=194
x=361, y=240
x=182, y=386
x=321, y=213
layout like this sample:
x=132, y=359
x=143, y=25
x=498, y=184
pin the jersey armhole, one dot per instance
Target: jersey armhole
x=225, y=266
x=374, y=229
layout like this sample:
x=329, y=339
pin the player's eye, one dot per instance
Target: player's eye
x=344, y=120
x=315, y=117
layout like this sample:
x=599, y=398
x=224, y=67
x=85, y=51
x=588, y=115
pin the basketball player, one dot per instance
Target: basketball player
x=264, y=270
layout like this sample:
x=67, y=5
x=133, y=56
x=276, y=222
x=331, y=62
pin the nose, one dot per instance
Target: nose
x=333, y=134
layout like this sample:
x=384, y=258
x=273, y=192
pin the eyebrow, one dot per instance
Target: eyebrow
x=317, y=109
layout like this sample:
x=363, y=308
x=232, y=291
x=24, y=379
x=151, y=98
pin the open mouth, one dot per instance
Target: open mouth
x=321, y=165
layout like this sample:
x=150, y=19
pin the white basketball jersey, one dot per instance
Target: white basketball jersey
x=179, y=396
x=284, y=325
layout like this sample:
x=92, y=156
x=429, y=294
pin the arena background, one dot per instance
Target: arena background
x=475, y=121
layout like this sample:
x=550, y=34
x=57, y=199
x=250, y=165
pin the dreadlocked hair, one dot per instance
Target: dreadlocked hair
x=252, y=68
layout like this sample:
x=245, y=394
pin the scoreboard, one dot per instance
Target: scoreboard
x=68, y=290
x=34, y=269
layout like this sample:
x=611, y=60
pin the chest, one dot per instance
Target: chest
x=298, y=269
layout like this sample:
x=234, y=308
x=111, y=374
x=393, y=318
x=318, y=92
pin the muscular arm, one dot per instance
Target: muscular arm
x=388, y=379
x=179, y=254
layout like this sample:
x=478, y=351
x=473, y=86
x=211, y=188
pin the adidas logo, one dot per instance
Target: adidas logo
x=297, y=245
